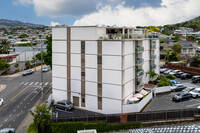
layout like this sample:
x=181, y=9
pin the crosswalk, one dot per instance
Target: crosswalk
x=36, y=83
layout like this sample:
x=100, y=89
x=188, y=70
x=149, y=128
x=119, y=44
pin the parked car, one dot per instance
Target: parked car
x=186, y=76
x=1, y=101
x=181, y=96
x=174, y=82
x=168, y=71
x=188, y=89
x=64, y=104
x=195, y=79
x=27, y=72
x=195, y=93
x=174, y=72
x=163, y=70
x=7, y=130
x=178, y=87
x=178, y=74
x=46, y=69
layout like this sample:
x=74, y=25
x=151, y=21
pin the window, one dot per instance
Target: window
x=100, y=103
x=82, y=73
x=99, y=59
x=82, y=47
x=190, y=50
x=184, y=50
x=99, y=85
x=83, y=100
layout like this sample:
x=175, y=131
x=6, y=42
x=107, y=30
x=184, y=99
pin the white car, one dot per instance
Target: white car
x=1, y=101
x=45, y=69
x=195, y=93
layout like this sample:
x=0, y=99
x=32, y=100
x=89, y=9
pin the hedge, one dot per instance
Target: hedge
x=72, y=127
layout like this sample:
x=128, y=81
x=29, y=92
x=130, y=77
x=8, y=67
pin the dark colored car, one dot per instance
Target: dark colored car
x=181, y=96
x=186, y=76
x=178, y=74
x=163, y=70
x=178, y=87
x=195, y=79
x=64, y=104
x=27, y=72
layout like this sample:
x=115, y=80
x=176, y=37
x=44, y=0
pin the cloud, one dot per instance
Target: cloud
x=169, y=11
x=54, y=23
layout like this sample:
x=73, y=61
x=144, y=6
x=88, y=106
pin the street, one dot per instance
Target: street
x=20, y=95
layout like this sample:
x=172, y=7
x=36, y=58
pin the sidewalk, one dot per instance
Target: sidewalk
x=20, y=73
x=28, y=119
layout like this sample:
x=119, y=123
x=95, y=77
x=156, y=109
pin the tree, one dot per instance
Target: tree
x=28, y=64
x=23, y=36
x=4, y=47
x=4, y=65
x=42, y=117
x=176, y=37
x=164, y=82
x=195, y=61
x=169, y=76
x=152, y=73
x=48, y=55
x=171, y=56
x=177, y=48
x=152, y=29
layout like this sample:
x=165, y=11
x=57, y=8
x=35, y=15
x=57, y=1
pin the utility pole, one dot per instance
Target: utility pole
x=42, y=85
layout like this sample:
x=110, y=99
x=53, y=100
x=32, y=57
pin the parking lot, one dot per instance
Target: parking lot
x=164, y=101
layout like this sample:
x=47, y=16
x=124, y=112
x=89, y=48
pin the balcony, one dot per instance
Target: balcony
x=140, y=73
x=139, y=61
x=140, y=86
x=152, y=46
x=139, y=49
x=152, y=57
x=153, y=78
x=153, y=67
x=113, y=37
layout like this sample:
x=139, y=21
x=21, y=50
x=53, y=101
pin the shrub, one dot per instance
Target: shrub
x=164, y=82
x=72, y=127
x=169, y=76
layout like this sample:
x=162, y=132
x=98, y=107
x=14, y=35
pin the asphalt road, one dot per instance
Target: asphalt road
x=20, y=95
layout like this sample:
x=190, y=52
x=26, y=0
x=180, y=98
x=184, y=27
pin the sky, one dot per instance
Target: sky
x=100, y=12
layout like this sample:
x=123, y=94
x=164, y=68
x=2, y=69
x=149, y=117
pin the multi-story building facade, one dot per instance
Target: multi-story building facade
x=100, y=68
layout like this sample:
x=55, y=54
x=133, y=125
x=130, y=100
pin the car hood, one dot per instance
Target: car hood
x=191, y=92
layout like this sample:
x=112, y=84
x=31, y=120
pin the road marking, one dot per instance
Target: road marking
x=3, y=106
x=9, y=126
x=10, y=115
x=1, y=125
x=35, y=95
x=19, y=93
x=6, y=119
x=21, y=102
x=14, y=120
x=17, y=106
x=36, y=83
x=14, y=110
x=40, y=83
x=28, y=103
x=21, y=110
x=26, y=83
x=64, y=111
x=46, y=83
x=22, y=82
x=24, y=106
x=18, y=115
x=193, y=105
x=31, y=83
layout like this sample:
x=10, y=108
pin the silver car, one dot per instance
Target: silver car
x=45, y=69
x=64, y=104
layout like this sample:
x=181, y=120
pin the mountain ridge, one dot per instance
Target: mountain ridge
x=5, y=23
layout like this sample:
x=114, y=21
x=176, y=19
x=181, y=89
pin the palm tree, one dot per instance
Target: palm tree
x=4, y=47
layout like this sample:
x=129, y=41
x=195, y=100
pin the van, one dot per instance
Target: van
x=195, y=79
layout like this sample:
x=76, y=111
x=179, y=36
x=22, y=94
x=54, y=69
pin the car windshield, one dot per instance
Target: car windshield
x=195, y=91
x=180, y=94
x=68, y=102
x=186, y=89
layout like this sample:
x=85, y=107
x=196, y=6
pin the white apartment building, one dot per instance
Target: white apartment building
x=100, y=68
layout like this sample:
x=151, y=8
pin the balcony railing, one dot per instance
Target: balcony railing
x=140, y=49
x=152, y=57
x=113, y=36
x=152, y=46
x=140, y=74
x=152, y=35
x=153, y=78
x=139, y=62
x=153, y=67
x=140, y=86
